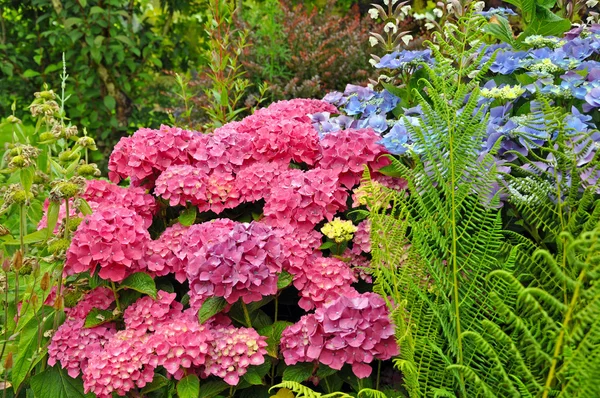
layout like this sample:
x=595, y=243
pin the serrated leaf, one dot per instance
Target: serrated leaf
x=273, y=334
x=189, y=387
x=324, y=371
x=500, y=29
x=326, y=245
x=212, y=388
x=188, y=216
x=52, y=217
x=97, y=317
x=109, y=102
x=252, y=377
x=56, y=383
x=210, y=307
x=158, y=382
x=140, y=282
x=284, y=280
x=26, y=175
x=299, y=372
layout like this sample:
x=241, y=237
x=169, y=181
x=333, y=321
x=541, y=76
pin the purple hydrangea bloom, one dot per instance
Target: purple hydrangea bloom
x=395, y=141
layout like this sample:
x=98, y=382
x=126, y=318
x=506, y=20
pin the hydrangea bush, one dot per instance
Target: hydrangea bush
x=234, y=256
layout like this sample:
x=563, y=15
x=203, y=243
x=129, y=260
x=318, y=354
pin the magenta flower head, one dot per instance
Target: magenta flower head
x=325, y=280
x=354, y=330
x=233, y=350
x=244, y=262
x=254, y=182
x=361, y=243
x=298, y=109
x=147, y=153
x=126, y=362
x=303, y=199
x=164, y=256
x=182, y=184
x=104, y=193
x=226, y=150
x=148, y=315
x=113, y=239
x=72, y=344
x=347, y=152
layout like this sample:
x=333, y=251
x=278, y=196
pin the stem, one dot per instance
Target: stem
x=276, y=307
x=378, y=374
x=114, y=289
x=246, y=315
x=5, y=330
x=67, y=219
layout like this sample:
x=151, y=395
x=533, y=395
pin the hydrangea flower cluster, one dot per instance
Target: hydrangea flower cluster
x=275, y=159
x=352, y=330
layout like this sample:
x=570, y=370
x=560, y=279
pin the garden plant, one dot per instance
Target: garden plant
x=435, y=233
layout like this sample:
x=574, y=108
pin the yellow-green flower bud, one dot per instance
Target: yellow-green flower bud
x=72, y=298
x=47, y=137
x=87, y=142
x=13, y=120
x=339, y=230
x=59, y=246
x=88, y=170
x=74, y=223
x=17, y=162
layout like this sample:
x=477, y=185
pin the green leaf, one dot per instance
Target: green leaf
x=188, y=216
x=140, y=282
x=189, y=387
x=298, y=372
x=97, y=317
x=69, y=22
x=126, y=40
x=212, y=388
x=273, y=334
x=158, y=382
x=56, y=383
x=397, y=91
x=110, y=102
x=326, y=245
x=526, y=6
x=500, y=30
x=284, y=280
x=27, y=354
x=325, y=371
x=83, y=3
x=53, y=210
x=84, y=207
x=255, y=374
x=546, y=23
x=96, y=10
x=30, y=73
x=212, y=306
x=33, y=237
x=27, y=178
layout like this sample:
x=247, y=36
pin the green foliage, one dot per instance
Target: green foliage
x=188, y=387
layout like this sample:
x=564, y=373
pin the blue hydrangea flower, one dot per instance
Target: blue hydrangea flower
x=396, y=140
x=404, y=58
x=502, y=11
x=377, y=123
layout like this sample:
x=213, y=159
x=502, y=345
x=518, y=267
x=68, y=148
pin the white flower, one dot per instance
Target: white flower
x=405, y=9
x=418, y=16
x=406, y=39
x=370, y=85
x=449, y=7
x=374, y=13
x=437, y=12
x=479, y=6
x=373, y=62
x=429, y=26
x=372, y=41
x=591, y=3
x=386, y=2
x=390, y=26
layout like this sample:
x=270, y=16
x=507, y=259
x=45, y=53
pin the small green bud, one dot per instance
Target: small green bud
x=13, y=120
x=29, y=264
x=19, y=196
x=74, y=223
x=68, y=189
x=59, y=246
x=88, y=170
x=40, y=178
x=65, y=156
x=72, y=298
x=17, y=162
x=87, y=142
x=47, y=137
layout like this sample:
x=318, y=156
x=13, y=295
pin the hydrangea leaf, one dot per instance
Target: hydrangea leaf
x=140, y=282
x=298, y=372
x=97, y=317
x=189, y=387
x=54, y=382
x=159, y=381
x=273, y=334
x=188, y=216
x=326, y=245
x=212, y=306
x=255, y=374
x=212, y=388
x=284, y=280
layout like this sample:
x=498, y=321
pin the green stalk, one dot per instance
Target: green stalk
x=246, y=315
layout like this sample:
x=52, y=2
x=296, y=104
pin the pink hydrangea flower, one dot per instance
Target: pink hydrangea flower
x=72, y=344
x=225, y=150
x=126, y=362
x=181, y=184
x=62, y=213
x=244, y=263
x=103, y=193
x=360, y=265
x=303, y=199
x=182, y=344
x=164, y=256
x=347, y=152
x=254, y=182
x=299, y=248
x=114, y=239
x=361, y=243
x=298, y=109
x=221, y=192
x=147, y=153
x=233, y=351
x=148, y=315
x=351, y=330
x=323, y=281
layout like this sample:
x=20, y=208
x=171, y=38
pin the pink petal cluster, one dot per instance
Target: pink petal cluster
x=360, y=265
x=105, y=193
x=324, y=281
x=351, y=330
x=147, y=153
x=299, y=249
x=148, y=315
x=165, y=255
x=126, y=362
x=347, y=152
x=72, y=344
x=254, y=182
x=181, y=184
x=114, y=239
x=361, y=243
x=182, y=344
x=233, y=351
x=297, y=109
x=226, y=150
x=62, y=213
x=303, y=199
x=244, y=263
